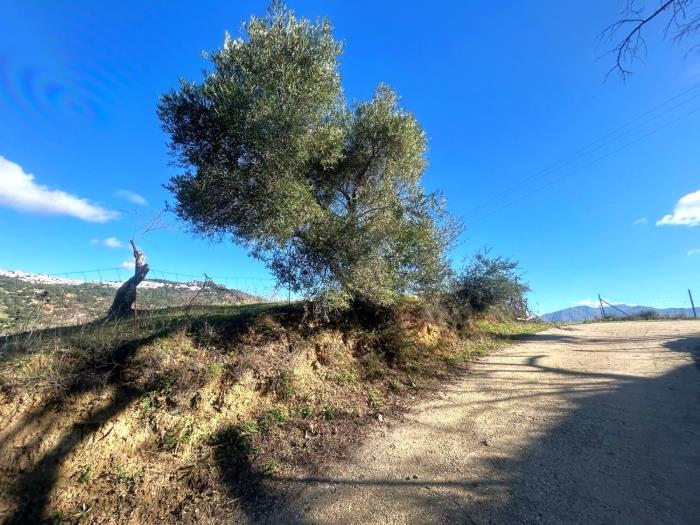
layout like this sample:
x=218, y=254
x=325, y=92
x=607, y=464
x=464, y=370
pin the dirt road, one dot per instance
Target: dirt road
x=596, y=423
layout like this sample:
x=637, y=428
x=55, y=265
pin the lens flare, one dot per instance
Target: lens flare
x=59, y=97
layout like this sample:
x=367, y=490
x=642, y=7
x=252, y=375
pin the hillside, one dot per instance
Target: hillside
x=578, y=314
x=178, y=417
x=30, y=300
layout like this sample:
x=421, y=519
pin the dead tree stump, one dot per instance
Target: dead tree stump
x=125, y=297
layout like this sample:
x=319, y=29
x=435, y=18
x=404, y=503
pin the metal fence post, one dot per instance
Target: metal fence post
x=695, y=315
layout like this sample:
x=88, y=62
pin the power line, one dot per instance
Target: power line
x=597, y=144
x=581, y=168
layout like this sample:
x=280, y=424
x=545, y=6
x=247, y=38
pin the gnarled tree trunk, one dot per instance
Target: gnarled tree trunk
x=125, y=297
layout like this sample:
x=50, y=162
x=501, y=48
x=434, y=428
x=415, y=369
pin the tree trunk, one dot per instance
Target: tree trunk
x=125, y=297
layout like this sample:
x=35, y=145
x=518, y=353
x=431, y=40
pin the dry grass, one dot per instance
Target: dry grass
x=178, y=418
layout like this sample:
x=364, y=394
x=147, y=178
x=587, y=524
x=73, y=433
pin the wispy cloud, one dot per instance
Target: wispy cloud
x=642, y=220
x=685, y=213
x=20, y=191
x=587, y=302
x=693, y=71
x=131, y=196
x=696, y=251
x=109, y=242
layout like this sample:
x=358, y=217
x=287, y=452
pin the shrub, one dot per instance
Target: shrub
x=646, y=315
x=491, y=282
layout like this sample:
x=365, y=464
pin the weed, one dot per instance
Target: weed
x=328, y=413
x=124, y=475
x=178, y=435
x=270, y=419
x=207, y=336
x=249, y=428
x=346, y=377
x=374, y=368
x=395, y=385
x=305, y=411
x=417, y=368
x=214, y=370
x=148, y=403
x=271, y=466
x=84, y=474
x=161, y=383
x=283, y=384
x=239, y=437
x=374, y=398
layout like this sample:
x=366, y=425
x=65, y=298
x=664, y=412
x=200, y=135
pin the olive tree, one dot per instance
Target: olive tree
x=327, y=194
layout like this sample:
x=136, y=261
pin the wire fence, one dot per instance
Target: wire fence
x=33, y=301
x=264, y=288
x=677, y=306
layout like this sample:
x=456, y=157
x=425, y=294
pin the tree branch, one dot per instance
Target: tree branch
x=633, y=46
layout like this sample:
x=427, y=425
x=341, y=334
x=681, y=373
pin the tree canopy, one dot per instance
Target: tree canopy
x=327, y=194
x=491, y=281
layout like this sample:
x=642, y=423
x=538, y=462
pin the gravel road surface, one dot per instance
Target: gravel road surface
x=593, y=423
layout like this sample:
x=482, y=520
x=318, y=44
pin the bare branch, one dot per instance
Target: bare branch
x=156, y=222
x=682, y=22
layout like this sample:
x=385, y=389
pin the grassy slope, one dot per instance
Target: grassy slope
x=25, y=305
x=178, y=417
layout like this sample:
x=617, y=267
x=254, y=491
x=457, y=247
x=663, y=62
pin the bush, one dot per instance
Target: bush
x=646, y=315
x=488, y=282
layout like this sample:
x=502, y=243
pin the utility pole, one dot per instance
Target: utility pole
x=602, y=312
x=695, y=315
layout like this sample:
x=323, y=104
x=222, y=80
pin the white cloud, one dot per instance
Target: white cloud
x=587, y=302
x=685, y=213
x=112, y=242
x=131, y=197
x=642, y=220
x=129, y=264
x=109, y=242
x=19, y=190
x=696, y=251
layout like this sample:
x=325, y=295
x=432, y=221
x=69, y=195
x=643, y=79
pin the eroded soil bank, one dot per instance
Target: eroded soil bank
x=595, y=423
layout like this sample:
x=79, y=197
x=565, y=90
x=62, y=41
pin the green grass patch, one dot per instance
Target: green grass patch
x=271, y=419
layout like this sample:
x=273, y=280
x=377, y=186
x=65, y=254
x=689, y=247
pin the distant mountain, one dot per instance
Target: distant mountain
x=37, y=300
x=578, y=314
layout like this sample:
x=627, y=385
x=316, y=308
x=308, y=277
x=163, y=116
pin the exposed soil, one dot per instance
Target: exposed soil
x=174, y=418
x=595, y=423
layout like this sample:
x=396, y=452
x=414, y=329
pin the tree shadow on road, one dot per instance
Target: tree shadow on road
x=628, y=452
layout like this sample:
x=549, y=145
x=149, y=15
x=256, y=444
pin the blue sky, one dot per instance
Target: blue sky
x=504, y=91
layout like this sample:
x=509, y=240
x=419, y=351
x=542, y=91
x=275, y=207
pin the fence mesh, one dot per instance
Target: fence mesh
x=31, y=301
